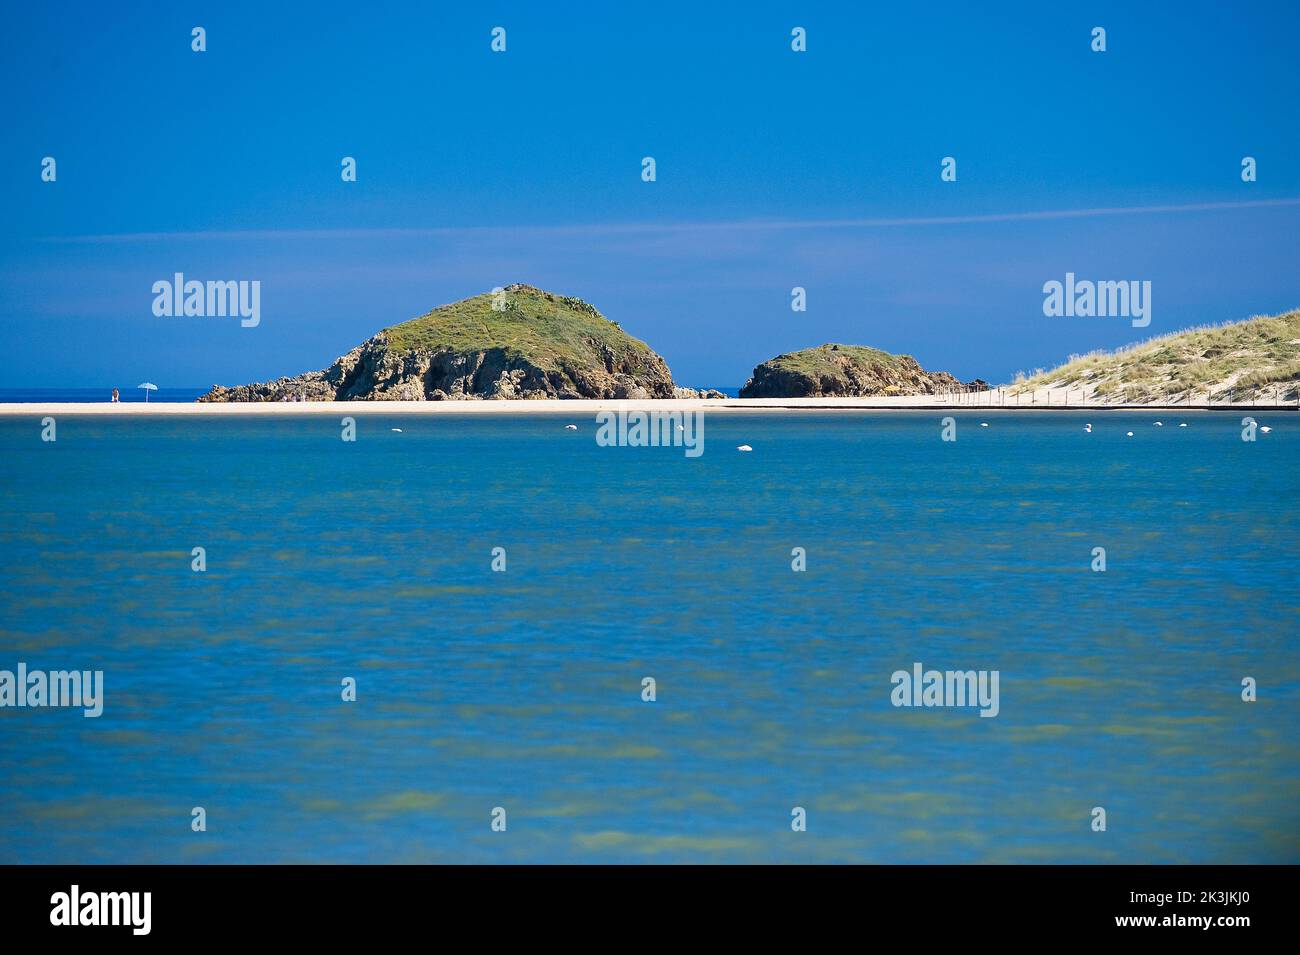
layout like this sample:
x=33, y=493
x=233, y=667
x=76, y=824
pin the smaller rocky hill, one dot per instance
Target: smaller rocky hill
x=848, y=371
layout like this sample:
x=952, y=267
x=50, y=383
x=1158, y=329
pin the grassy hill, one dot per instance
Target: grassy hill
x=521, y=342
x=1258, y=358
x=549, y=329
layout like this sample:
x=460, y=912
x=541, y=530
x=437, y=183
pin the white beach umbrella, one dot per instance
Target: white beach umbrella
x=148, y=386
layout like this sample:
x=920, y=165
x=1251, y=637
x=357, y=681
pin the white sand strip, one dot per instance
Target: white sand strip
x=578, y=408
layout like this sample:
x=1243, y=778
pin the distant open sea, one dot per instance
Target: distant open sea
x=91, y=395
x=522, y=689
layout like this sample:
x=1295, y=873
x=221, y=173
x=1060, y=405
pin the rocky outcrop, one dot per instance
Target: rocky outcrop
x=849, y=371
x=518, y=342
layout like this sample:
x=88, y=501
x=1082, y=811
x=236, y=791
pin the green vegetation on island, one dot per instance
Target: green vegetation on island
x=848, y=371
x=515, y=342
x=521, y=320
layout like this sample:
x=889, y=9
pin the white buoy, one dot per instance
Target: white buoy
x=1160, y=424
x=744, y=447
x=1266, y=429
x=398, y=430
x=1129, y=433
x=1183, y=425
x=570, y=427
x=984, y=424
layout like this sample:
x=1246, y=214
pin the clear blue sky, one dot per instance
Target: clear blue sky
x=775, y=169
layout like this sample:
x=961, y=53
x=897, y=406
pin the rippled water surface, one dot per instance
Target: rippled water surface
x=522, y=689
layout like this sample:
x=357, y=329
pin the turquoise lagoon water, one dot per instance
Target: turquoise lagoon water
x=522, y=689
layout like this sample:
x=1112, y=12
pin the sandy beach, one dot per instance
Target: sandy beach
x=981, y=401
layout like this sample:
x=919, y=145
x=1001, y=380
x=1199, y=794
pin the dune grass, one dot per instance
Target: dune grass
x=1236, y=361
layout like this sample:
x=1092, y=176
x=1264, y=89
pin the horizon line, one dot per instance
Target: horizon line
x=753, y=225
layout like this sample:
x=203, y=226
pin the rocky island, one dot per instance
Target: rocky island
x=849, y=371
x=516, y=342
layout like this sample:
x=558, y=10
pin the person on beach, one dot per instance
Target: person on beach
x=115, y=394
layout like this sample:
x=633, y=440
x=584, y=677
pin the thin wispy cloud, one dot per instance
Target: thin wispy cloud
x=646, y=228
